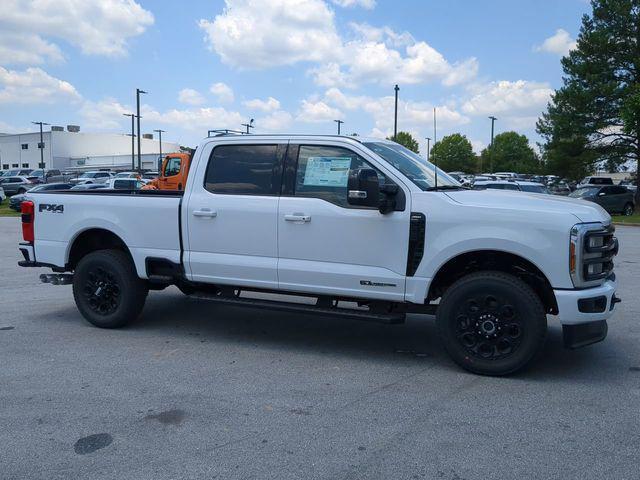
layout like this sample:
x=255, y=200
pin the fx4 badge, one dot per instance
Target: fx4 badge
x=369, y=283
x=49, y=207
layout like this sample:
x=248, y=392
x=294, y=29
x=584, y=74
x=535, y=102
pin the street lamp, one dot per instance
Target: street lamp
x=133, y=137
x=248, y=125
x=160, y=140
x=41, y=147
x=395, y=117
x=339, y=122
x=493, y=121
x=138, y=92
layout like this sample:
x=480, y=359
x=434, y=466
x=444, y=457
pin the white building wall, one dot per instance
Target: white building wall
x=64, y=150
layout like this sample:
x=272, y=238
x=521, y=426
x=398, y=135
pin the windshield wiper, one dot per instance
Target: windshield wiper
x=444, y=187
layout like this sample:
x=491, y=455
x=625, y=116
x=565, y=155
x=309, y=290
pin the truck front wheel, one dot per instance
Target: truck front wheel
x=491, y=323
x=107, y=289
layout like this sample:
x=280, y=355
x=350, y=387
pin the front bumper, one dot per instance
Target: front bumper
x=584, y=313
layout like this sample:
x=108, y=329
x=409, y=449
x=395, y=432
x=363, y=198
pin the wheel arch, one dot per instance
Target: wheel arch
x=92, y=239
x=497, y=260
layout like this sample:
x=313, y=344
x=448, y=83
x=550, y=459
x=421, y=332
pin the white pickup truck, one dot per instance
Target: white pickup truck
x=343, y=226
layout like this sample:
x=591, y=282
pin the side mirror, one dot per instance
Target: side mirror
x=363, y=188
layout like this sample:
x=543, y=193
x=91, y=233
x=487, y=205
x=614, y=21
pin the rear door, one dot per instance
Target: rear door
x=326, y=245
x=231, y=214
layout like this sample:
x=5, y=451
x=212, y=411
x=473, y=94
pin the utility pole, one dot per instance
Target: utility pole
x=133, y=138
x=339, y=122
x=138, y=92
x=41, y=147
x=493, y=120
x=248, y=125
x=428, y=149
x=395, y=116
x=160, y=140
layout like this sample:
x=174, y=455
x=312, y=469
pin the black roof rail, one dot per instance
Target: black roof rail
x=221, y=132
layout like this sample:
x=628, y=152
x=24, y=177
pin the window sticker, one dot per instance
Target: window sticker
x=327, y=171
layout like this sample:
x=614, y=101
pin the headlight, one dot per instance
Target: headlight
x=591, y=251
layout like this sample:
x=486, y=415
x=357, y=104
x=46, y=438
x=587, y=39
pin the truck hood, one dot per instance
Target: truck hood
x=585, y=211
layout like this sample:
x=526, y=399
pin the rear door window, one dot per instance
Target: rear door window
x=244, y=170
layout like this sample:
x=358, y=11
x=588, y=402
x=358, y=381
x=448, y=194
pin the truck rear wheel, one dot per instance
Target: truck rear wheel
x=491, y=323
x=107, y=289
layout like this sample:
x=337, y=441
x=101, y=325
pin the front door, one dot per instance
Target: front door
x=326, y=245
x=171, y=178
x=231, y=217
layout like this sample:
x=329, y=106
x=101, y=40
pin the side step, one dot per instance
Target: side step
x=351, y=313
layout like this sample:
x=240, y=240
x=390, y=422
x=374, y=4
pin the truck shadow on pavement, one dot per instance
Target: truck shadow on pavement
x=177, y=317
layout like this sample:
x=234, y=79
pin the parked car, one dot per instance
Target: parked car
x=125, y=183
x=3, y=197
x=342, y=221
x=134, y=175
x=495, y=185
x=150, y=175
x=16, y=184
x=99, y=176
x=559, y=189
x=16, y=200
x=17, y=172
x=613, y=198
x=596, y=181
x=532, y=187
x=46, y=175
x=89, y=186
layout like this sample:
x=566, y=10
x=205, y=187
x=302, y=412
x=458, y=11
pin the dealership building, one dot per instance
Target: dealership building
x=72, y=150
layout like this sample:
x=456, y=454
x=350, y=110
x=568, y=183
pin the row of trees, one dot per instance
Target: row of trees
x=510, y=152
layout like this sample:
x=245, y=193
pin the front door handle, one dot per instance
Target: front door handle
x=205, y=212
x=298, y=217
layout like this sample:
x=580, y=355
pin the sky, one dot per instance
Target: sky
x=294, y=66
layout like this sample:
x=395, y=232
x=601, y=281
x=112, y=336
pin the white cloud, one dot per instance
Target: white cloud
x=521, y=97
x=559, y=43
x=97, y=27
x=278, y=121
x=317, y=111
x=252, y=34
x=223, y=92
x=190, y=96
x=106, y=114
x=367, y=4
x=34, y=86
x=194, y=119
x=268, y=105
x=258, y=34
x=412, y=115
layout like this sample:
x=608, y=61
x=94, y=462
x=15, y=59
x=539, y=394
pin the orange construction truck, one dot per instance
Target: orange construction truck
x=174, y=172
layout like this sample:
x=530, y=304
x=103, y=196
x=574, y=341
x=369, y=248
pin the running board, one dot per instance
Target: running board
x=385, y=318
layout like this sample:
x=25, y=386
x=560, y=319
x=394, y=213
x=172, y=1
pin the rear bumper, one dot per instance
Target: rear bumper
x=29, y=256
x=584, y=313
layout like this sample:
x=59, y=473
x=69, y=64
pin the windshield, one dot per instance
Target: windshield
x=584, y=192
x=87, y=175
x=411, y=165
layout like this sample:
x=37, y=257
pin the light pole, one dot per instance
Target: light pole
x=428, y=139
x=160, y=140
x=493, y=120
x=138, y=92
x=41, y=147
x=248, y=125
x=395, y=116
x=339, y=122
x=133, y=138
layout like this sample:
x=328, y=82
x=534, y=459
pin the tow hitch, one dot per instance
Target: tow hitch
x=57, y=278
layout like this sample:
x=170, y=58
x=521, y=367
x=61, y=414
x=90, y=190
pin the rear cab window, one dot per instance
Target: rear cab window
x=245, y=169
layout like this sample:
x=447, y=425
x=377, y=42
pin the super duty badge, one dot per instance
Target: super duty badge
x=50, y=207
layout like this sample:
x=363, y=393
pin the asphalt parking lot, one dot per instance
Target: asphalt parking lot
x=196, y=390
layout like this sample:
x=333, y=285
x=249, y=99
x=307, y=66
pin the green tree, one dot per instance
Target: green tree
x=454, y=153
x=406, y=139
x=510, y=152
x=595, y=115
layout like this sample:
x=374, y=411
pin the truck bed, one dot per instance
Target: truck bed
x=147, y=221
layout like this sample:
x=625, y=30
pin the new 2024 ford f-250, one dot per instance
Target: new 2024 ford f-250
x=342, y=226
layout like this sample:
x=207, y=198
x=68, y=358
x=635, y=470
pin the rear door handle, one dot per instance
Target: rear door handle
x=298, y=217
x=205, y=212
